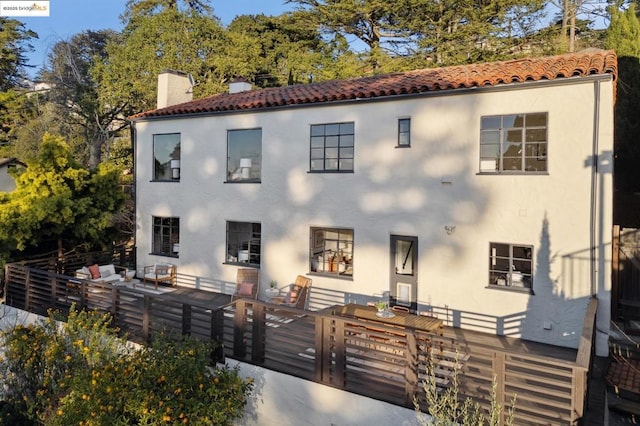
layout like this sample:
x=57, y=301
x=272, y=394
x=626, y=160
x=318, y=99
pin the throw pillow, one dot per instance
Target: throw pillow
x=246, y=289
x=292, y=294
x=94, y=270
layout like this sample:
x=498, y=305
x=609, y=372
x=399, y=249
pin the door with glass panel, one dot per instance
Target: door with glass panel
x=403, y=287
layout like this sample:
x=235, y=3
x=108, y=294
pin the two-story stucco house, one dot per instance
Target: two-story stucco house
x=483, y=190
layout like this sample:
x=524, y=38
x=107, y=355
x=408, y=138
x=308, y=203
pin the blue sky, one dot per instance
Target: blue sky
x=69, y=17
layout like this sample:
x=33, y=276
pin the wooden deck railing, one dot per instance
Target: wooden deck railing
x=384, y=363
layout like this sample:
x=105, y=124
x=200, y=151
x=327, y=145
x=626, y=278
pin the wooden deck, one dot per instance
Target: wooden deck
x=385, y=362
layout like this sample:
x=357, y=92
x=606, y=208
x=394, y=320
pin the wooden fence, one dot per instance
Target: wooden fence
x=385, y=363
x=625, y=286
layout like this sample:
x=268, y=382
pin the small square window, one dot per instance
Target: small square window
x=404, y=132
x=331, y=251
x=510, y=265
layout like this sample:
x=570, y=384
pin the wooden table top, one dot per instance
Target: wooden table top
x=401, y=319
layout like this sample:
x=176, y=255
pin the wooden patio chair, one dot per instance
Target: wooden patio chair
x=160, y=273
x=297, y=294
x=247, y=284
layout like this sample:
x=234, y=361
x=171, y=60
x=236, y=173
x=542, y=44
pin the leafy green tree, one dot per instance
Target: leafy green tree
x=75, y=92
x=285, y=50
x=372, y=22
x=170, y=39
x=150, y=7
x=470, y=31
x=14, y=45
x=58, y=200
x=82, y=372
x=16, y=110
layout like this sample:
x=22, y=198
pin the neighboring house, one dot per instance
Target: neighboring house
x=7, y=182
x=485, y=190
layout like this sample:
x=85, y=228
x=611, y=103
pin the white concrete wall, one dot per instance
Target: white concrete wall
x=399, y=191
x=283, y=400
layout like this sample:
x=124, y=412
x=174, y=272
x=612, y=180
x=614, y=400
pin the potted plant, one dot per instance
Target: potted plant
x=273, y=284
x=381, y=305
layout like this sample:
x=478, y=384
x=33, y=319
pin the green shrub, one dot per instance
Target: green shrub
x=446, y=408
x=81, y=372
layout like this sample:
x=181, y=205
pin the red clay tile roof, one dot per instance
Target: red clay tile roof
x=589, y=62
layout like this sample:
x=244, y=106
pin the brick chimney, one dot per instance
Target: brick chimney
x=238, y=85
x=174, y=87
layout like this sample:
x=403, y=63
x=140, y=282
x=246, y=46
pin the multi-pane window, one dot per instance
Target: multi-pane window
x=404, y=132
x=510, y=265
x=243, y=243
x=514, y=143
x=166, y=156
x=331, y=251
x=166, y=236
x=332, y=147
x=244, y=155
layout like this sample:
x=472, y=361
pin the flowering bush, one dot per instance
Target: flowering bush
x=80, y=372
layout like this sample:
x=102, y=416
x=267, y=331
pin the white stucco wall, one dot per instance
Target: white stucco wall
x=399, y=191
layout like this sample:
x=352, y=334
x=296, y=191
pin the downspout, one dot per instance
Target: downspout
x=134, y=150
x=594, y=187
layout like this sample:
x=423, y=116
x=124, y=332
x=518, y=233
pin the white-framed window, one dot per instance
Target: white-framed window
x=243, y=243
x=332, y=147
x=166, y=157
x=166, y=236
x=404, y=132
x=331, y=251
x=244, y=155
x=515, y=143
x=510, y=265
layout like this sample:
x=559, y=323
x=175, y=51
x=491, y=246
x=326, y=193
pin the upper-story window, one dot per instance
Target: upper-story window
x=166, y=156
x=510, y=265
x=404, y=132
x=332, y=147
x=244, y=155
x=513, y=143
x=166, y=236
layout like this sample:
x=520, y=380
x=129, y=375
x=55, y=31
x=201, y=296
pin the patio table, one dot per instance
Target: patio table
x=400, y=319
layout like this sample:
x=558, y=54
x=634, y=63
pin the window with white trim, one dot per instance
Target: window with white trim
x=515, y=143
x=331, y=251
x=510, y=265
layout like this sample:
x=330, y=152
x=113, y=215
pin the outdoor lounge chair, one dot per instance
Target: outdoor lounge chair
x=160, y=273
x=247, y=284
x=297, y=294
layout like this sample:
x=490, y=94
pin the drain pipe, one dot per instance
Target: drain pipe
x=594, y=188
